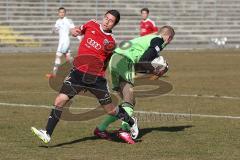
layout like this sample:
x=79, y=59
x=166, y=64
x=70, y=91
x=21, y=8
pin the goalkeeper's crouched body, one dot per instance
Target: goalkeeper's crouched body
x=142, y=55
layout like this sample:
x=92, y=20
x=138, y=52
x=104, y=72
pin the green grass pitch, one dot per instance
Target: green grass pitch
x=209, y=74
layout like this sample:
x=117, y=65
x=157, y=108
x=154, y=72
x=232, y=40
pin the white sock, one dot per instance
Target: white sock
x=56, y=64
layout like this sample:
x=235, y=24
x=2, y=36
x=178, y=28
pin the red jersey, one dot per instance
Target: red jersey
x=147, y=27
x=95, y=49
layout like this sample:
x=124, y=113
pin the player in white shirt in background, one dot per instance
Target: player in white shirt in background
x=62, y=27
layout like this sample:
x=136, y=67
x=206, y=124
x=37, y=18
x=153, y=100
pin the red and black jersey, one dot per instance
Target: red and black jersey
x=147, y=27
x=95, y=49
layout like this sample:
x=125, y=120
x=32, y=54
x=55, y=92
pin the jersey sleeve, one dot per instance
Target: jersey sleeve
x=84, y=26
x=153, y=50
x=144, y=64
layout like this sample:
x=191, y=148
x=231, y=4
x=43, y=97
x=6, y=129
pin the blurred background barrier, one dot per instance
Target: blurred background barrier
x=199, y=24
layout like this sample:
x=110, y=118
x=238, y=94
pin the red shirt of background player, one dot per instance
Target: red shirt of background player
x=95, y=49
x=147, y=27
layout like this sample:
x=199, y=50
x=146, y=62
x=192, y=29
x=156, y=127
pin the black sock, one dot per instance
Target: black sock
x=53, y=120
x=123, y=115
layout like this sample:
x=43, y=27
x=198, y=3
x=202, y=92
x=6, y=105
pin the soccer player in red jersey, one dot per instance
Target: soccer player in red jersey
x=147, y=26
x=94, y=52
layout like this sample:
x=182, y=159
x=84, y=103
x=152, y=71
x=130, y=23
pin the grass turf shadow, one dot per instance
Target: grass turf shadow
x=71, y=142
x=145, y=131
x=142, y=132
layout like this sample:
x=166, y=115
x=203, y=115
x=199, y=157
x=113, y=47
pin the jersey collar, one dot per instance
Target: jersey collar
x=63, y=18
x=146, y=20
x=107, y=33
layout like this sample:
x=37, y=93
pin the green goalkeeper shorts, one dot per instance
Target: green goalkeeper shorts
x=122, y=70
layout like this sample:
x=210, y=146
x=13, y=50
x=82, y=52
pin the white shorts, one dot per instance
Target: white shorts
x=63, y=47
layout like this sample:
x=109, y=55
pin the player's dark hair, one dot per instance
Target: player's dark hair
x=61, y=8
x=116, y=14
x=145, y=9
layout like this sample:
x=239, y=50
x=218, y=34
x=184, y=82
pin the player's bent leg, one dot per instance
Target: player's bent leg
x=100, y=90
x=57, y=62
x=126, y=76
x=100, y=130
x=105, y=101
x=124, y=132
x=67, y=92
x=55, y=115
x=126, y=89
x=56, y=112
x=61, y=100
x=113, y=112
x=106, y=122
x=119, y=112
x=128, y=105
x=125, y=126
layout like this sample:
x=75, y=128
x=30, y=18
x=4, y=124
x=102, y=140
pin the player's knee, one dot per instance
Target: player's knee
x=59, y=54
x=112, y=112
x=110, y=109
x=61, y=100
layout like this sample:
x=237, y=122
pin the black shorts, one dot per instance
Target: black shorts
x=77, y=81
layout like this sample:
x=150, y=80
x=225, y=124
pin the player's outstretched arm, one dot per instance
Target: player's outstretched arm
x=142, y=76
x=146, y=76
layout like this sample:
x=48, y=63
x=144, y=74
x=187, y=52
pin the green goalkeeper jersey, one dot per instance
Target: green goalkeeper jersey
x=136, y=48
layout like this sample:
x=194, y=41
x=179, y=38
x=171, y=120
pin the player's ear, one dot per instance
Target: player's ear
x=169, y=39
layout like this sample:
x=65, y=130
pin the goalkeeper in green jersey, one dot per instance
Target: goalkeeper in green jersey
x=142, y=55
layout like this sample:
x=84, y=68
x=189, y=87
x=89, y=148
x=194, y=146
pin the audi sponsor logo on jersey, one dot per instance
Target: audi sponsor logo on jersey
x=94, y=44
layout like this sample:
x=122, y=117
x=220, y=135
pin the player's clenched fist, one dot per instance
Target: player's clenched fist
x=75, y=31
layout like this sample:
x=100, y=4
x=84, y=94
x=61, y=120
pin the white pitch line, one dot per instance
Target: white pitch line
x=141, y=112
x=163, y=95
x=189, y=115
x=28, y=92
x=24, y=105
x=36, y=106
x=202, y=96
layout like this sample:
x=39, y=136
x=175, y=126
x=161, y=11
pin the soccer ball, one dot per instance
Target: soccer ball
x=160, y=66
x=159, y=63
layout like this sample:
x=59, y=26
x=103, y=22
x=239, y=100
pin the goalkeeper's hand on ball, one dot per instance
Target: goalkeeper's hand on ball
x=160, y=66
